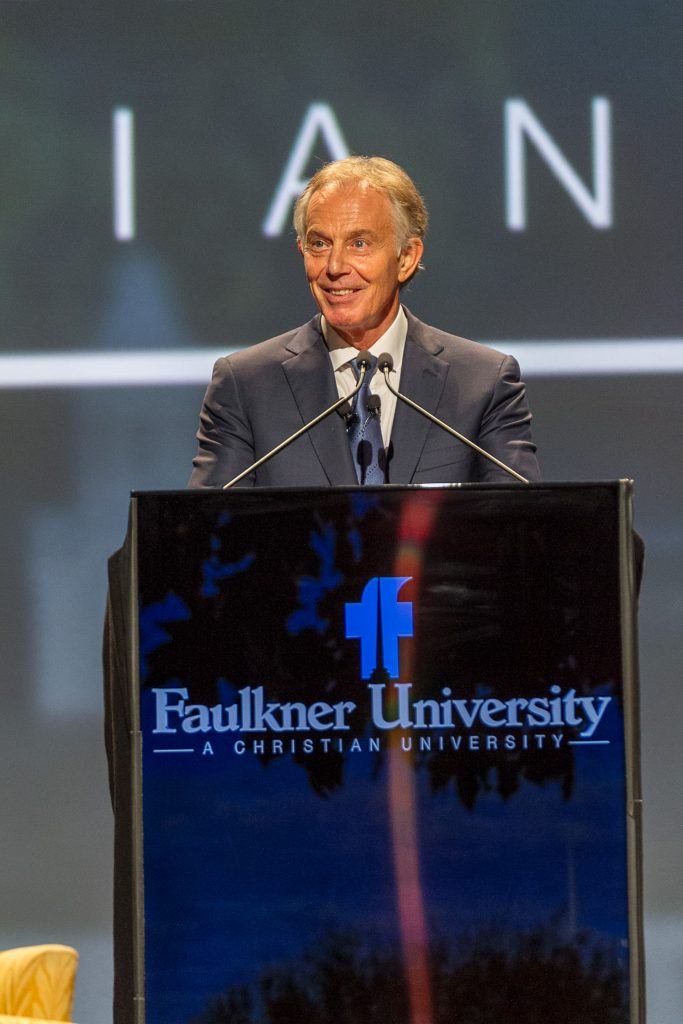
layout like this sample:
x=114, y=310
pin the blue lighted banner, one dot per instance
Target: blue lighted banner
x=383, y=757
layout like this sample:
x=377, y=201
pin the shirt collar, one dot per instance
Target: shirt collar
x=392, y=342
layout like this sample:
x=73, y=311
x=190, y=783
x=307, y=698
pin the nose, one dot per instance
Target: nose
x=337, y=263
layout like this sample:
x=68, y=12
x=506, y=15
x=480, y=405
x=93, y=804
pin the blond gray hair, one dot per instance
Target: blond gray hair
x=410, y=212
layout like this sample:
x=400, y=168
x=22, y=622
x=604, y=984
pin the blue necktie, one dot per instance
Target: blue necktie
x=365, y=434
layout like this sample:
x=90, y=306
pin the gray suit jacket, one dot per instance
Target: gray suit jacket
x=262, y=394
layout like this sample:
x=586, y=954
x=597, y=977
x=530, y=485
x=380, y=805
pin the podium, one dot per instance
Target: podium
x=374, y=756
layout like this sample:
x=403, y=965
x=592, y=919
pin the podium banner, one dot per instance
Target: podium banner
x=388, y=756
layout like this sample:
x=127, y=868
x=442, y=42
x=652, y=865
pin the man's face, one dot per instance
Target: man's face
x=352, y=259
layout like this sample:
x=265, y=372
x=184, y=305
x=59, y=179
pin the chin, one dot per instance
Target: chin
x=350, y=317
x=334, y=316
x=346, y=325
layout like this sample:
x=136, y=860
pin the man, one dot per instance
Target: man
x=360, y=228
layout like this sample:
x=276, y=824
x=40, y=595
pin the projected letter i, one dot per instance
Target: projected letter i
x=123, y=173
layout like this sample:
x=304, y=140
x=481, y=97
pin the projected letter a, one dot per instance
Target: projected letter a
x=320, y=117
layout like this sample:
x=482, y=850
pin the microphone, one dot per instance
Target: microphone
x=363, y=363
x=347, y=414
x=386, y=364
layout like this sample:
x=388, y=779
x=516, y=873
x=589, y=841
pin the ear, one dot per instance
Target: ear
x=299, y=246
x=409, y=259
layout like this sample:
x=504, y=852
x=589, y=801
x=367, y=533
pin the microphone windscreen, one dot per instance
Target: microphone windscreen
x=346, y=411
x=385, y=362
x=373, y=403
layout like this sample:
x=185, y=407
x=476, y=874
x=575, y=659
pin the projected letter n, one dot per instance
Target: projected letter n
x=520, y=124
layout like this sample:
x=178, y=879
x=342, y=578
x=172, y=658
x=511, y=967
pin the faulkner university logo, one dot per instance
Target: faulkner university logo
x=378, y=620
x=444, y=720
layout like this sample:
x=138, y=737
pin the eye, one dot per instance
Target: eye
x=359, y=243
x=316, y=245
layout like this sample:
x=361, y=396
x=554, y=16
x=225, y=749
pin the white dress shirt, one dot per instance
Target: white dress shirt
x=342, y=355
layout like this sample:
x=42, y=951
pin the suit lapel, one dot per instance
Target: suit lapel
x=310, y=376
x=423, y=376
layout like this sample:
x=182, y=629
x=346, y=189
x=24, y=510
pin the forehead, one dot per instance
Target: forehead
x=345, y=207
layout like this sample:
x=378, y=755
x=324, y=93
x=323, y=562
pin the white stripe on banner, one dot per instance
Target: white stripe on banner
x=193, y=366
x=110, y=369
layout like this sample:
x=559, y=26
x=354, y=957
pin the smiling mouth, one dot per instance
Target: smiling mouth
x=340, y=291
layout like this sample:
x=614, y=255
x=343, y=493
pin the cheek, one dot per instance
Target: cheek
x=387, y=280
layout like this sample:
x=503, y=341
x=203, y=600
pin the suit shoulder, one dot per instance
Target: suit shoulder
x=454, y=348
x=273, y=351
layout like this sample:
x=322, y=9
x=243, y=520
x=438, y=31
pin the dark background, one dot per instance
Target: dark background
x=219, y=92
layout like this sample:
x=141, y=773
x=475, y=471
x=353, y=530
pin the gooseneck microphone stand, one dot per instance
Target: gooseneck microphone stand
x=363, y=363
